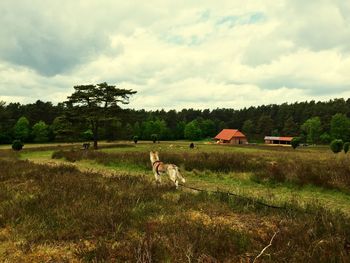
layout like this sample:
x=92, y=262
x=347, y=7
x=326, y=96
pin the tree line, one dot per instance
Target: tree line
x=88, y=112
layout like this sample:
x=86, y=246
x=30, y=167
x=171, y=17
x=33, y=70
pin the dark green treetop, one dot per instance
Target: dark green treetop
x=97, y=103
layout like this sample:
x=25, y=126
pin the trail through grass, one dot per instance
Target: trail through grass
x=240, y=183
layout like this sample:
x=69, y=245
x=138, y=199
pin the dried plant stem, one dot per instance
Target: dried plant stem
x=262, y=251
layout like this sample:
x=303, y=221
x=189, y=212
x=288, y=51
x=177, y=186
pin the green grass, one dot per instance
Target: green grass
x=277, y=194
x=238, y=182
x=37, y=155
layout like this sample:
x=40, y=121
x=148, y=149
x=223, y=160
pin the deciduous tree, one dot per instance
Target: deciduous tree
x=340, y=127
x=312, y=129
x=22, y=129
x=40, y=132
x=193, y=131
x=248, y=128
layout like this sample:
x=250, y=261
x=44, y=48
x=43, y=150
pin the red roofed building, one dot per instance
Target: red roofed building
x=231, y=136
x=277, y=140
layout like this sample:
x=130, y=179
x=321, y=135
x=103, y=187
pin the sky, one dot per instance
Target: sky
x=177, y=54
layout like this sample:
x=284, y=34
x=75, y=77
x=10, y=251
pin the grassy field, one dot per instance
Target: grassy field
x=63, y=204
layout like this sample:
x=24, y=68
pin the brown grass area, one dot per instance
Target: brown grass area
x=58, y=213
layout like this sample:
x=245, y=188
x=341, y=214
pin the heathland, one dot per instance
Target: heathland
x=239, y=204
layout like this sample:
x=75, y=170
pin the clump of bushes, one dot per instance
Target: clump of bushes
x=17, y=145
x=87, y=135
x=295, y=142
x=337, y=145
x=135, y=139
x=346, y=147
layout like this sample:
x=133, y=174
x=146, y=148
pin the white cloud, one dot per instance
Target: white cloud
x=177, y=54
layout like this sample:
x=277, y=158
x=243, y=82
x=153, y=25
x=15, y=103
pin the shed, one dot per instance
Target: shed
x=232, y=136
x=277, y=140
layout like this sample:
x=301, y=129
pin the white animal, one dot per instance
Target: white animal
x=160, y=168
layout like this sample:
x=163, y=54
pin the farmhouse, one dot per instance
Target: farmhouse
x=231, y=136
x=277, y=140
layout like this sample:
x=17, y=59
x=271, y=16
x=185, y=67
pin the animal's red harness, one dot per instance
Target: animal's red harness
x=157, y=163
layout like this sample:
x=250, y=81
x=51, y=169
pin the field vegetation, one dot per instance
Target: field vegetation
x=103, y=206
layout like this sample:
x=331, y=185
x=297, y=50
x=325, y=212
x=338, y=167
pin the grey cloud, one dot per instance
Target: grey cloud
x=317, y=25
x=314, y=25
x=46, y=47
x=56, y=36
x=311, y=88
x=42, y=43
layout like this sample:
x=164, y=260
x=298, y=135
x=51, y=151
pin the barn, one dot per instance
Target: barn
x=277, y=140
x=231, y=136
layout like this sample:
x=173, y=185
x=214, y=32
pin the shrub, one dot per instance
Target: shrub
x=135, y=139
x=87, y=135
x=337, y=145
x=40, y=132
x=325, y=138
x=295, y=142
x=346, y=147
x=17, y=145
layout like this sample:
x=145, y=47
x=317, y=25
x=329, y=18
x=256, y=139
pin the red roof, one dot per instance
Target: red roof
x=228, y=134
x=286, y=139
x=276, y=138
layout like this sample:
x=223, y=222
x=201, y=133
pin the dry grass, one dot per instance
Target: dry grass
x=62, y=214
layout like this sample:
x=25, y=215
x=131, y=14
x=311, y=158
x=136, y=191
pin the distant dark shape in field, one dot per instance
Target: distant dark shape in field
x=17, y=145
x=154, y=138
x=191, y=145
x=86, y=146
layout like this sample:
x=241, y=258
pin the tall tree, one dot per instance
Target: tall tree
x=62, y=129
x=290, y=128
x=265, y=125
x=40, y=132
x=97, y=103
x=340, y=127
x=312, y=129
x=208, y=128
x=180, y=130
x=192, y=131
x=248, y=128
x=22, y=129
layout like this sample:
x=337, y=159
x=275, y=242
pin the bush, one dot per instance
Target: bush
x=325, y=138
x=87, y=135
x=295, y=142
x=17, y=145
x=346, y=147
x=40, y=132
x=135, y=139
x=337, y=145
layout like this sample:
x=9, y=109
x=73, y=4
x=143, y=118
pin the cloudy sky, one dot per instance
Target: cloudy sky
x=177, y=54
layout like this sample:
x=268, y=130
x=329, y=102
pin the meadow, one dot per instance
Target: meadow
x=251, y=203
